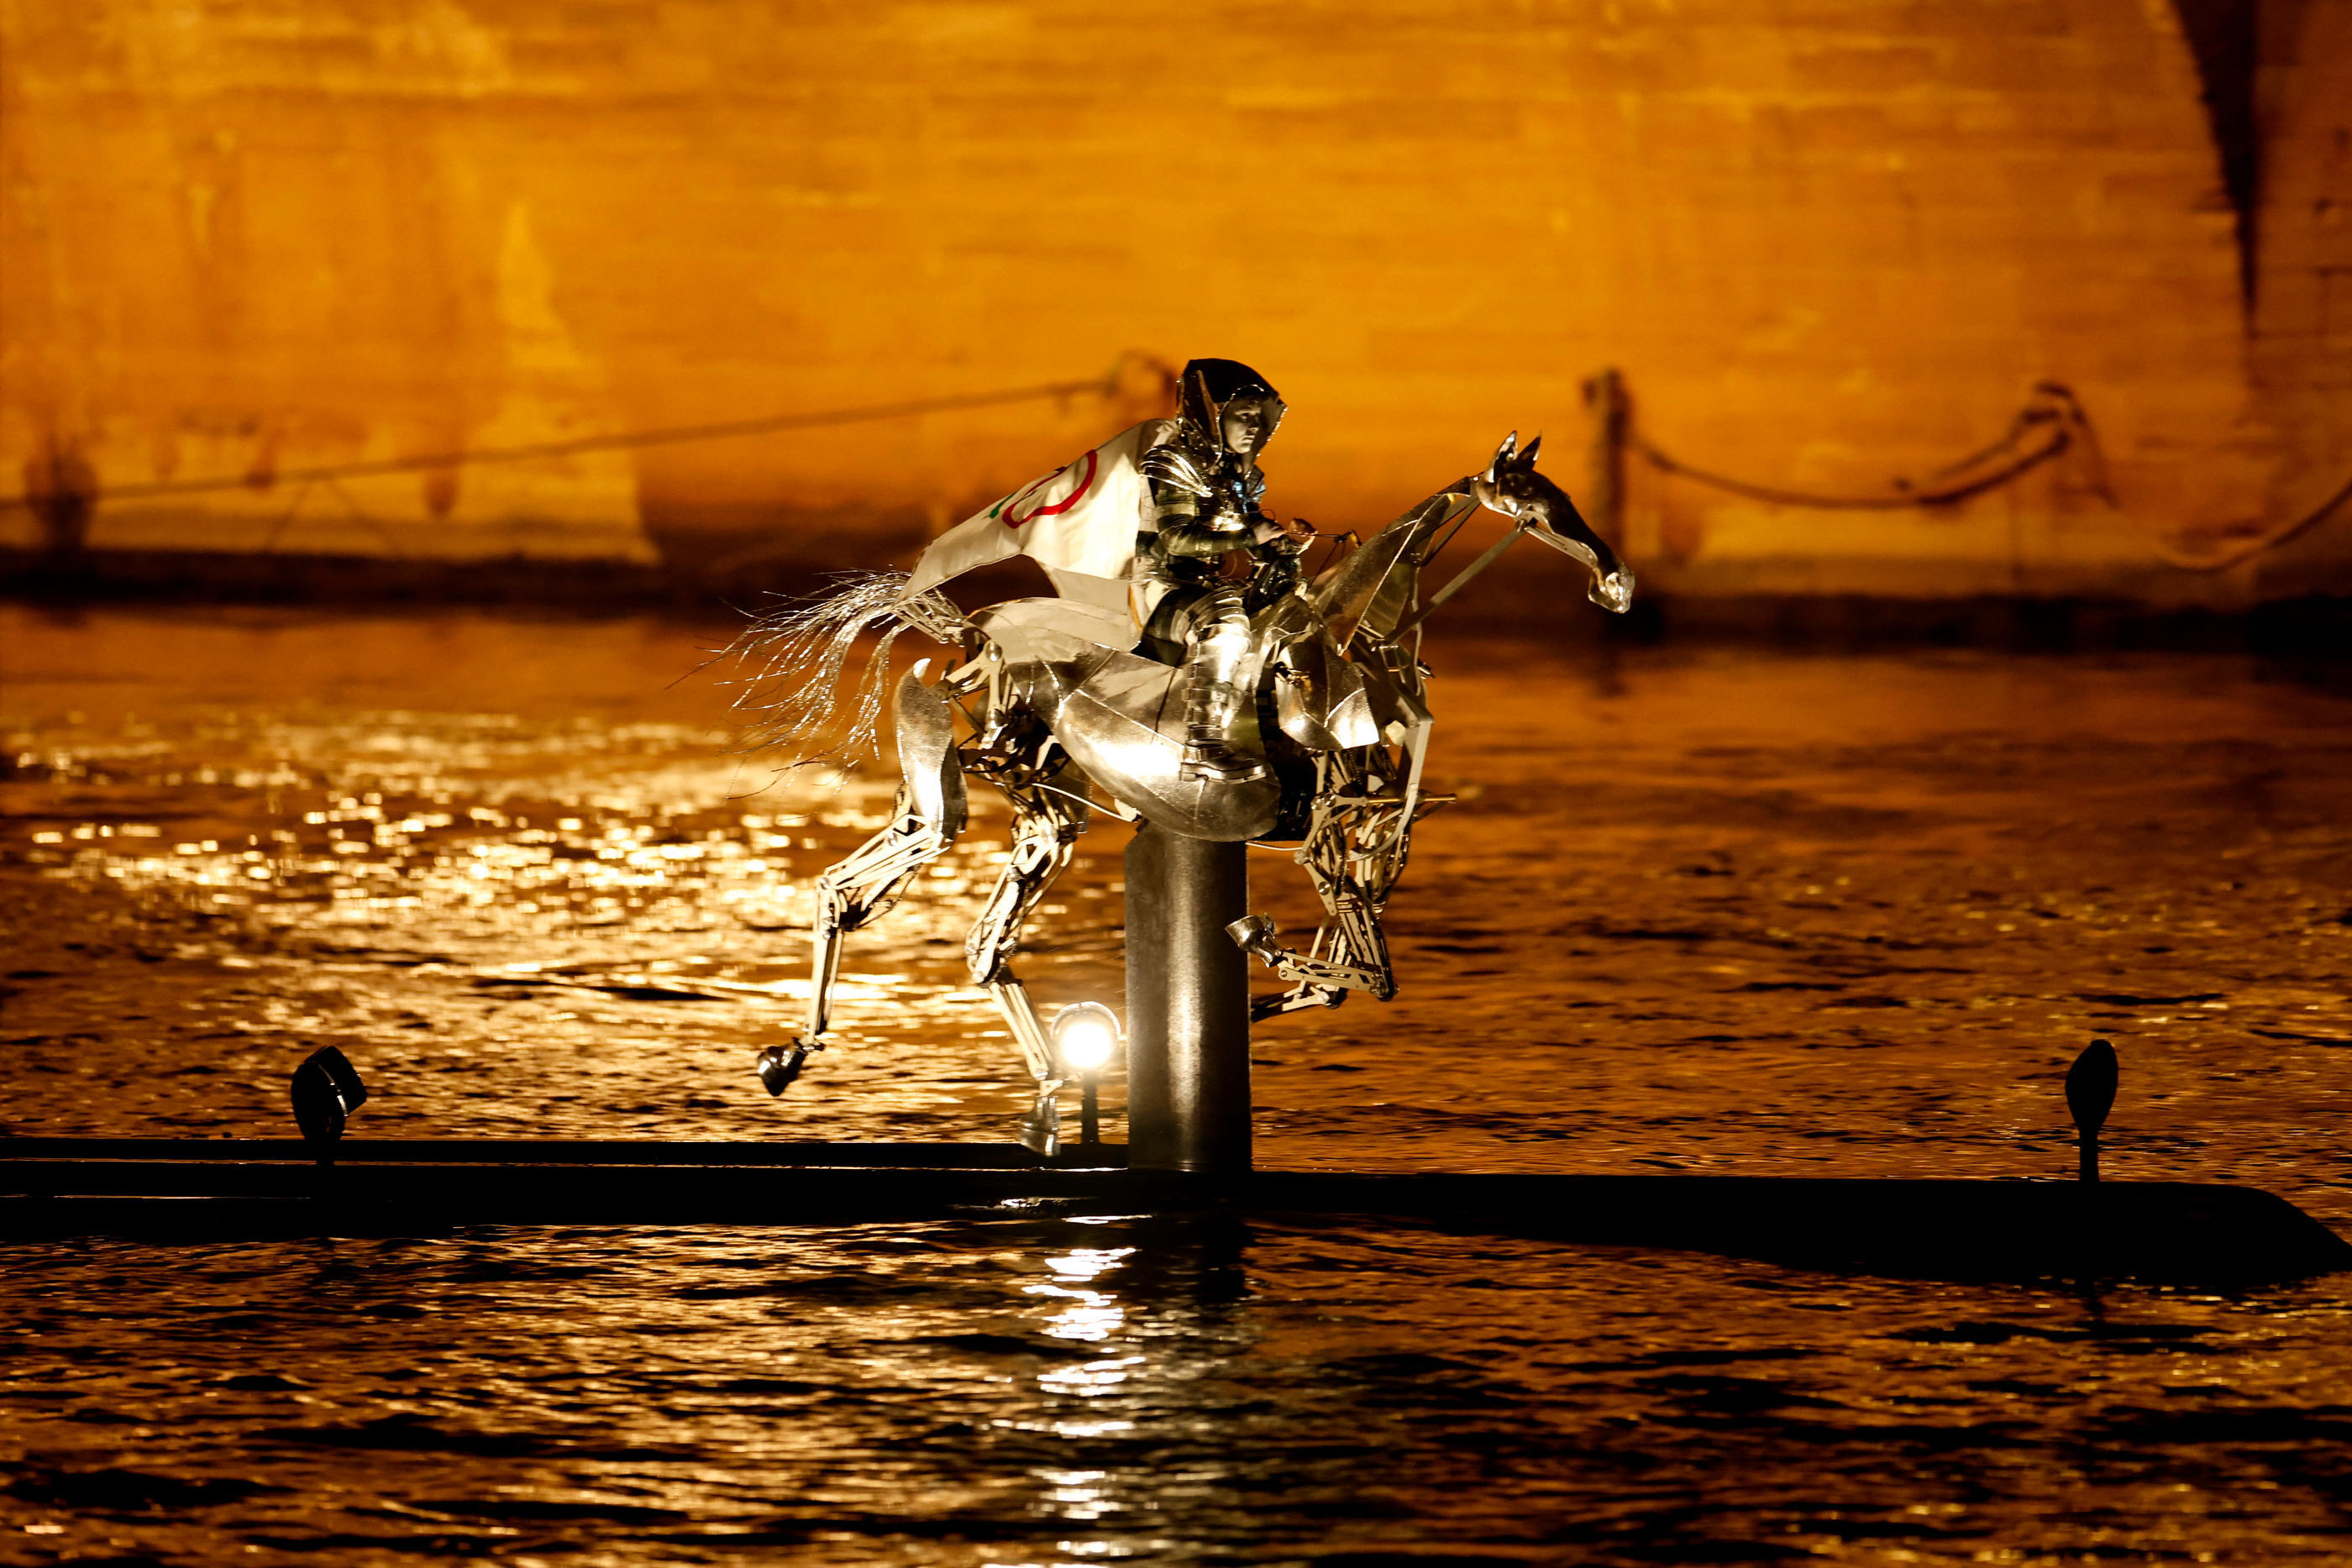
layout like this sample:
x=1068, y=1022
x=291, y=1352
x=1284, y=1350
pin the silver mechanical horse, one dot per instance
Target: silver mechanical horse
x=1048, y=698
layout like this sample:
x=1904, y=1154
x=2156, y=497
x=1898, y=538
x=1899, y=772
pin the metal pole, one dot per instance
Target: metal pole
x=1188, y=1096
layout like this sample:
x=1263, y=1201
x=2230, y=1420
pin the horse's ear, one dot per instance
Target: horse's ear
x=1503, y=454
x=1527, y=459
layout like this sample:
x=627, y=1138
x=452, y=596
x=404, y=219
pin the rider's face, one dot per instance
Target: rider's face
x=1243, y=424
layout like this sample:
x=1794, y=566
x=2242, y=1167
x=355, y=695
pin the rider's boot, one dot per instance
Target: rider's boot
x=1213, y=693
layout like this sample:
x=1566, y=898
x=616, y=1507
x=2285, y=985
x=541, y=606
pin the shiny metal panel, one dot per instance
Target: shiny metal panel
x=1319, y=697
x=1043, y=628
x=1121, y=719
x=1298, y=715
x=1350, y=719
x=926, y=735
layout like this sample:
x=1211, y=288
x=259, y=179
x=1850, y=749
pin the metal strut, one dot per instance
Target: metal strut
x=1046, y=823
x=1355, y=849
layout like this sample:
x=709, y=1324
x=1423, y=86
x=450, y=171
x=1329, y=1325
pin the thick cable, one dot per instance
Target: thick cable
x=1938, y=496
x=2238, y=555
x=2053, y=405
x=1104, y=385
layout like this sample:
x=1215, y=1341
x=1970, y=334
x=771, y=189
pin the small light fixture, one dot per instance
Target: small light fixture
x=326, y=1090
x=2089, y=1096
x=1086, y=1037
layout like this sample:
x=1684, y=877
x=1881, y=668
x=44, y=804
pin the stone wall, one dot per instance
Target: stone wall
x=1827, y=242
x=2303, y=288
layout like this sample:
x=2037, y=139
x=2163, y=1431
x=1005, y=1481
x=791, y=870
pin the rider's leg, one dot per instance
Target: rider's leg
x=1046, y=825
x=1216, y=684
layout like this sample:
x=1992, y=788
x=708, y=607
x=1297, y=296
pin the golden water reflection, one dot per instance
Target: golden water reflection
x=1719, y=911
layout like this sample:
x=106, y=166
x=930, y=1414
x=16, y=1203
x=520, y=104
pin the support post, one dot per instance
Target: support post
x=1188, y=1095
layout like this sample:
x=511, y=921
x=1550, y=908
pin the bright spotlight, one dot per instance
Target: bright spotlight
x=1085, y=1036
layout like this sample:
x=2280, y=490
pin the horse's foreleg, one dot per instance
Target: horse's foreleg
x=925, y=819
x=1350, y=952
x=1045, y=827
x=1296, y=999
x=1357, y=960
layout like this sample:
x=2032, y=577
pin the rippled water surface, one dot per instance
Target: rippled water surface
x=1724, y=910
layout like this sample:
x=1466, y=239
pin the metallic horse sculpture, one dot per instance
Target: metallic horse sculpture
x=1051, y=696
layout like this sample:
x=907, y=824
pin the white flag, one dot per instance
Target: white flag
x=1079, y=523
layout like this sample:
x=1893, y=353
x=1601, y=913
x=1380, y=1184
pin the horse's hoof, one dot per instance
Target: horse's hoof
x=779, y=1065
x=1254, y=933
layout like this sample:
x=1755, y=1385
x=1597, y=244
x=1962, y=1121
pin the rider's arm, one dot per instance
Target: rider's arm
x=1184, y=531
x=1189, y=538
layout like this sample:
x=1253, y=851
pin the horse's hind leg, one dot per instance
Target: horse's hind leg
x=928, y=813
x=1045, y=827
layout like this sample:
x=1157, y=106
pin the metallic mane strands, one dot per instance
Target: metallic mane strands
x=796, y=655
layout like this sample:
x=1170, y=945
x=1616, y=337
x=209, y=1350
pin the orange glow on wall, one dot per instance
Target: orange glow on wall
x=1826, y=245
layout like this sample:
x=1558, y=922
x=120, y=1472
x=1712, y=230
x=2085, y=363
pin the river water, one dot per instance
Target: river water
x=1717, y=910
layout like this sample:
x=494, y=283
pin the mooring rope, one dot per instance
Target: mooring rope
x=2052, y=409
x=2245, y=551
x=1104, y=385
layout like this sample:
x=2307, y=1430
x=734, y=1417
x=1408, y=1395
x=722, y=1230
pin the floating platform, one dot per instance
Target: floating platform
x=2186, y=1232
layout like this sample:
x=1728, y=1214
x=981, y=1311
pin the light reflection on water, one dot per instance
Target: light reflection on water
x=900, y=1393
x=1728, y=911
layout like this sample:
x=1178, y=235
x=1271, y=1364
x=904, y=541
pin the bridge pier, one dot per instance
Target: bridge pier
x=1188, y=1093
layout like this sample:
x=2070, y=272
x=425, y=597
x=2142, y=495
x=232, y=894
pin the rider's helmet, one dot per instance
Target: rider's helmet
x=1210, y=385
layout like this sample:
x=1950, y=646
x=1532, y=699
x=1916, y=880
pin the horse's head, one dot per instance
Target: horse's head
x=1512, y=486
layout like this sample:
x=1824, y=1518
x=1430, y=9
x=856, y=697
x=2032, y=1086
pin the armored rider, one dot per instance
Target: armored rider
x=1204, y=511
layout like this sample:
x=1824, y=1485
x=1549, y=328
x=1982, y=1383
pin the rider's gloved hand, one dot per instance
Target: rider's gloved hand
x=1289, y=538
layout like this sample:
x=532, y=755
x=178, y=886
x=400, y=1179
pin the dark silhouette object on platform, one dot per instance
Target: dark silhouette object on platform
x=2089, y=1096
x=326, y=1090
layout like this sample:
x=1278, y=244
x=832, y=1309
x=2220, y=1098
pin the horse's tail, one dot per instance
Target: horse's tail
x=794, y=658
